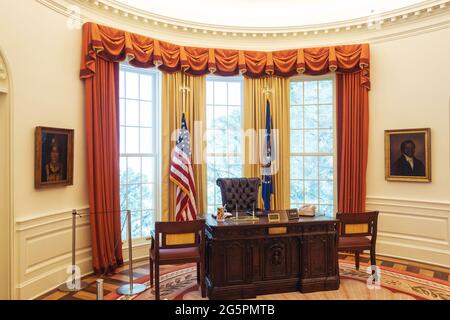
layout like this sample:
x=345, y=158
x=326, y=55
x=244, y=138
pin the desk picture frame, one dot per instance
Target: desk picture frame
x=273, y=217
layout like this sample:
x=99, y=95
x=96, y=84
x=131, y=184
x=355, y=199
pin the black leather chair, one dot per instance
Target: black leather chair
x=242, y=192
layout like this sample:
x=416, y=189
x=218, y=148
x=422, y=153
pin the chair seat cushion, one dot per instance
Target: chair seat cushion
x=350, y=242
x=178, y=253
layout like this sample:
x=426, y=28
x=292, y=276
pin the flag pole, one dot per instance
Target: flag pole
x=266, y=179
x=184, y=91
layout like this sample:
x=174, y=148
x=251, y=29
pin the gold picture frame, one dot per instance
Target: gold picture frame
x=54, y=149
x=273, y=217
x=408, y=155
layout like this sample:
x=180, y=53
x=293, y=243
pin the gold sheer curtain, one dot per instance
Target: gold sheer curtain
x=195, y=110
x=255, y=118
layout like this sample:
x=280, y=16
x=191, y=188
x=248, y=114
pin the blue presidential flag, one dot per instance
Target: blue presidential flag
x=267, y=186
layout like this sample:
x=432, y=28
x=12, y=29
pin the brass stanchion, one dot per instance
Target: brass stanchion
x=99, y=289
x=131, y=288
x=75, y=284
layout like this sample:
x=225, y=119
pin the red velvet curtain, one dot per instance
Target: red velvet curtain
x=352, y=140
x=102, y=133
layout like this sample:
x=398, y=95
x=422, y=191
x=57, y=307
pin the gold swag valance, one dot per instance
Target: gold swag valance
x=116, y=45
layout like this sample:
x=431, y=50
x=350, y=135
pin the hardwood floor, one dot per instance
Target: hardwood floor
x=112, y=282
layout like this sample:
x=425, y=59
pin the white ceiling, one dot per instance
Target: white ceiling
x=267, y=13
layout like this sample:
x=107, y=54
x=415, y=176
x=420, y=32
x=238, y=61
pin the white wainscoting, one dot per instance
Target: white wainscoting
x=44, y=251
x=413, y=229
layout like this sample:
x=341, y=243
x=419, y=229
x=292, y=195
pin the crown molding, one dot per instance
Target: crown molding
x=424, y=17
x=428, y=7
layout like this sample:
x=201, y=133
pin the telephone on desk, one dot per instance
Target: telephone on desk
x=307, y=210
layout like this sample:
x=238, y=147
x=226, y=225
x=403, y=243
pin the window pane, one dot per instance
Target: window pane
x=234, y=167
x=148, y=169
x=296, y=141
x=296, y=168
x=134, y=170
x=134, y=197
x=136, y=224
x=234, y=118
x=210, y=116
x=220, y=117
x=311, y=167
x=147, y=222
x=146, y=140
x=132, y=112
x=122, y=112
x=326, y=192
x=234, y=94
x=297, y=194
x=325, y=91
x=311, y=192
x=122, y=140
x=326, y=210
x=211, y=187
x=311, y=113
x=326, y=168
x=220, y=141
x=121, y=84
x=311, y=92
x=326, y=116
x=296, y=117
x=209, y=92
x=311, y=141
x=132, y=140
x=325, y=141
x=221, y=167
x=146, y=114
x=147, y=196
x=234, y=141
x=220, y=93
x=123, y=170
x=132, y=85
x=146, y=87
x=296, y=93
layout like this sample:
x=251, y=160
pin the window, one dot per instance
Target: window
x=224, y=98
x=139, y=145
x=312, y=144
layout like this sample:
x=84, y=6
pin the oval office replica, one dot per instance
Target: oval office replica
x=217, y=150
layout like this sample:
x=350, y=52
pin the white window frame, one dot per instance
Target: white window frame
x=238, y=79
x=334, y=153
x=156, y=126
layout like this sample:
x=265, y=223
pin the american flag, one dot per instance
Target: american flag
x=182, y=175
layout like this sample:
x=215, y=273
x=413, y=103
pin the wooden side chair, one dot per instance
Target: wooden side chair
x=358, y=240
x=163, y=252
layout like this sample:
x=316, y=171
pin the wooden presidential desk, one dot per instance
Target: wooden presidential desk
x=245, y=259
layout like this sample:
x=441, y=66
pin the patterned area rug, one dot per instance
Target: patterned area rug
x=180, y=283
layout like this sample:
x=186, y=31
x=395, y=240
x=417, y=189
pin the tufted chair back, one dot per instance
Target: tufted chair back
x=240, y=191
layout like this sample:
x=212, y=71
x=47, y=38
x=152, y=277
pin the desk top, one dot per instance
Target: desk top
x=263, y=221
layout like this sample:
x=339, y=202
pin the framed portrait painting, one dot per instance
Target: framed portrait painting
x=53, y=157
x=408, y=155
